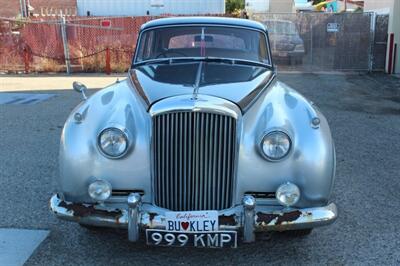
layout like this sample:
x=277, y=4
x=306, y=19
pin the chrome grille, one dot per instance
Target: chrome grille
x=194, y=154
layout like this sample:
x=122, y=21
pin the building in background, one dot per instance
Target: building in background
x=292, y=6
x=281, y=6
x=45, y=8
x=391, y=7
x=303, y=5
x=149, y=7
x=270, y=6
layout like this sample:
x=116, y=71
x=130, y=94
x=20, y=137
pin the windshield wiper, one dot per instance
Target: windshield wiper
x=231, y=61
x=167, y=61
x=234, y=61
x=153, y=61
x=223, y=60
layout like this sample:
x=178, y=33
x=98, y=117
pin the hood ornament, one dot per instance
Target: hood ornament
x=199, y=78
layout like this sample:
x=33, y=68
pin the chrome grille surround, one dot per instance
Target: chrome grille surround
x=194, y=148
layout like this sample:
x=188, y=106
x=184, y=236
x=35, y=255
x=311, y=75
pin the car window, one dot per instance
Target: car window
x=203, y=41
x=211, y=41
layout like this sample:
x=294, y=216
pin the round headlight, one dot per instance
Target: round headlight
x=288, y=194
x=99, y=190
x=275, y=145
x=113, y=142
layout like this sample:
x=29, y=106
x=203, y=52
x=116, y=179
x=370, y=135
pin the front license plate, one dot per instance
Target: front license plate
x=191, y=221
x=219, y=239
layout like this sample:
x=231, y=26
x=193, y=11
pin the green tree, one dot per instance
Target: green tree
x=232, y=5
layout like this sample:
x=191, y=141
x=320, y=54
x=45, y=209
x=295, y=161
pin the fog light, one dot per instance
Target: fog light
x=100, y=190
x=288, y=194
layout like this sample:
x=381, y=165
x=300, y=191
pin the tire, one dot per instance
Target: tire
x=299, y=233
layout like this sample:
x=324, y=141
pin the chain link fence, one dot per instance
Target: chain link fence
x=380, y=42
x=321, y=41
x=306, y=42
x=77, y=45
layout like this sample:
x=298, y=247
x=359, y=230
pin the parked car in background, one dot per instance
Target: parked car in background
x=200, y=146
x=286, y=43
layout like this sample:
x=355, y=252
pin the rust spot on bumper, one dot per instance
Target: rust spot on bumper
x=81, y=210
x=280, y=218
x=265, y=217
x=227, y=220
x=152, y=215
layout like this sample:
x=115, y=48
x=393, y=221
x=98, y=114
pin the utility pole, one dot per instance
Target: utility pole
x=23, y=8
x=20, y=8
x=345, y=5
x=65, y=43
x=27, y=4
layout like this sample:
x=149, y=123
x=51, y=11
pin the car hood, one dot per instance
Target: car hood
x=240, y=84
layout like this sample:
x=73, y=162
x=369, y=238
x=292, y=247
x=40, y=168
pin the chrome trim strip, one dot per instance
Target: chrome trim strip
x=252, y=97
x=138, y=88
x=204, y=103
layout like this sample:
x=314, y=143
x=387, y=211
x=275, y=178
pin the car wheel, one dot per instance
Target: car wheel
x=299, y=233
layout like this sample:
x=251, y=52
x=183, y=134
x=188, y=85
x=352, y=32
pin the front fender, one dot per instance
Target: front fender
x=311, y=161
x=80, y=159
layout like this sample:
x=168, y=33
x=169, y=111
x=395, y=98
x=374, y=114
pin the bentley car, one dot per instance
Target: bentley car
x=200, y=146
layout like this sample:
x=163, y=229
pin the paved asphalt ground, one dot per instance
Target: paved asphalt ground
x=364, y=115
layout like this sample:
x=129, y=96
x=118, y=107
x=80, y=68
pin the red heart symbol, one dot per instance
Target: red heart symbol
x=185, y=225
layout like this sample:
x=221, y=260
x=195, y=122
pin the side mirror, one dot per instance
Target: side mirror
x=79, y=87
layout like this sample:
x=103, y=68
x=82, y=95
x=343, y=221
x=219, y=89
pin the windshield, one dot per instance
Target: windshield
x=203, y=41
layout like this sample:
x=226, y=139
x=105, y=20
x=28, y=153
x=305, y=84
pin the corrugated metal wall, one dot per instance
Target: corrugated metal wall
x=153, y=7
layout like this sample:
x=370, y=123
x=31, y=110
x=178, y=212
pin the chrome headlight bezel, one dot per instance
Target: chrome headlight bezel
x=124, y=133
x=269, y=135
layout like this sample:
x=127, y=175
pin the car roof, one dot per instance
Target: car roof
x=203, y=20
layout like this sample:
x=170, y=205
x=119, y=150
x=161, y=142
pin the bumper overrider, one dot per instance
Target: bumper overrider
x=247, y=218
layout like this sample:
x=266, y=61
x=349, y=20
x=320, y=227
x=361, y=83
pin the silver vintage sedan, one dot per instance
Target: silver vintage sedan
x=200, y=146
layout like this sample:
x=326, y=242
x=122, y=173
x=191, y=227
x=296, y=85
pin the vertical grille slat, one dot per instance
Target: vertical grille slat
x=215, y=165
x=194, y=154
x=181, y=154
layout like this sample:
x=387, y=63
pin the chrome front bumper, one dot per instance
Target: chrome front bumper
x=248, y=217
